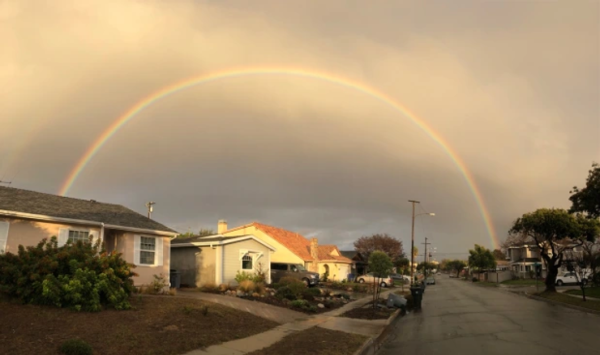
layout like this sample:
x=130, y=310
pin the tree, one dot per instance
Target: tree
x=587, y=199
x=554, y=231
x=444, y=265
x=403, y=265
x=498, y=254
x=456, y=266
x=426, y=267
x=380, y=265
x=381, y=242
x=203, y=233
x=481, y=258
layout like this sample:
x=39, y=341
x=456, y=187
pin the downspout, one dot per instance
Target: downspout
x=102, y=233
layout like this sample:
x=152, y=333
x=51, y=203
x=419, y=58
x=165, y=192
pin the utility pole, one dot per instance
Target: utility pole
x=425, y=255
x=150, y=208
x=412, y=242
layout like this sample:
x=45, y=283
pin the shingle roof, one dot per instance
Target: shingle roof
x=294, y=242
x=32, y=202
x=217, y=238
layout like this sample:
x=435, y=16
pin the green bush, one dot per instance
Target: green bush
x=299, y=303
x=80, y=276
x=311, y=293
x=296, y=286
x=243, y=276
x=285, y=292
x=75, y=347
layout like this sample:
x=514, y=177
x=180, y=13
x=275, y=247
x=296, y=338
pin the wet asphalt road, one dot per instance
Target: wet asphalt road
x=460, y=318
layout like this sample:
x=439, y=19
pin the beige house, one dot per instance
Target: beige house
x=217, y=259
x=291, y=247
x=27, y=217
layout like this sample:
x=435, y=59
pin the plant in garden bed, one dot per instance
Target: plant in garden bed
x=80, y=276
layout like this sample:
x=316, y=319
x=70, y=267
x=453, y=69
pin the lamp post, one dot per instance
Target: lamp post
x=412, y=238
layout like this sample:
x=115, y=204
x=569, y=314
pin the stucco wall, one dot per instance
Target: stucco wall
x=30, y=233
x=145, y=273
x=281, y=255
x=196, y=265
x=232, y=263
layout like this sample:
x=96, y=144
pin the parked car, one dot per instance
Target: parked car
x=430, y=280
x=569, y=278
x=385, y=281
x=297, y=271
x=401, y=278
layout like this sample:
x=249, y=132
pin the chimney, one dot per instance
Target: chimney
x=314, y=249
x=221, y=226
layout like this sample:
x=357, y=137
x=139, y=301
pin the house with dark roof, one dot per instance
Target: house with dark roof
x=359, y=266
x=292, y=247
x=27, y=217
x=217, y=259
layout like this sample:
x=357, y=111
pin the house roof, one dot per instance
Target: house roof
x=38, y=203
x=353, y=255
x=216, y=240
x=212, y=238
x=294, y=242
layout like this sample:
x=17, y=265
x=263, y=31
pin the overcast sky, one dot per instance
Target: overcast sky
x=513, y=88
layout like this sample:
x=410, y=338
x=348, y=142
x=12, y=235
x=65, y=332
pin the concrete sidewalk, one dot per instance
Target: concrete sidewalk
x=295, y=323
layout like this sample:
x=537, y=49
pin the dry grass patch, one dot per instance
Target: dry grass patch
x=315, y=341
x=574, y=301
x=159, y=325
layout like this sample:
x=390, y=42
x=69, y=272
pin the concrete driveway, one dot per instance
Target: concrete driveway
x=460, y=318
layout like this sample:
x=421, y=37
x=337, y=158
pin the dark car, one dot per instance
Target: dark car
x=297, y=271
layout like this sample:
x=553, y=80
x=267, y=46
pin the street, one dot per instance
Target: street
x=460, y=318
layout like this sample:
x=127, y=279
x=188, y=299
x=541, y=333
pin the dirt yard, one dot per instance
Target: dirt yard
x=158, y=325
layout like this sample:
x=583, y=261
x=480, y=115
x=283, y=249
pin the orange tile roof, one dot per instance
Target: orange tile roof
x=295, y=242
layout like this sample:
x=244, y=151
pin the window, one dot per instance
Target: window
x=283, y=267
x=247, y=262
x=147, y=250
x=75, y=235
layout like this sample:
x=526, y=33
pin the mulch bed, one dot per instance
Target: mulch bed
x=157, y=325
x=368, y=313
x=315, y=341
x=329, y=306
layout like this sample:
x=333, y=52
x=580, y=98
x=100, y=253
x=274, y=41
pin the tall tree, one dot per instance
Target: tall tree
x=382, y=242
x=456, y=266
x=426, y=267
x=499, y=255
x=403, y=265
x=587, y=200
x=481, y=258
x=554, y=231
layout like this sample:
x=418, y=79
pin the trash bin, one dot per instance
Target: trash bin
x=417, y=295
x=175, y=279
x=350, y=277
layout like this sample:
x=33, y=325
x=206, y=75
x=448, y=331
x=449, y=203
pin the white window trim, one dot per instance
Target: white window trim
x=254, y=254
x=158, y=250
x=63, y=234
x=4, y=240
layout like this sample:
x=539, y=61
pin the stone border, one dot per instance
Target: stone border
x=371, y=345
x=582, y=309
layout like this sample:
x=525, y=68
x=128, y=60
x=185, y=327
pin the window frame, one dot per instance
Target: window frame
x=248, y=255
x=78, y=230
x=142, y=250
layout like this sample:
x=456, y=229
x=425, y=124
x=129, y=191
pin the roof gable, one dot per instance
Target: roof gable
x=38, y=203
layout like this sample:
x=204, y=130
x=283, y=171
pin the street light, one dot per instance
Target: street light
x=412, y=237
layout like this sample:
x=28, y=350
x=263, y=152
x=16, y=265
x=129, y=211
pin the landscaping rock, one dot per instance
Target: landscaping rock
x=321, y=305
x=239, y=294
x=255, y=294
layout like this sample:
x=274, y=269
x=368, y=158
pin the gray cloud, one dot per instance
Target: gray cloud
x=511, y=87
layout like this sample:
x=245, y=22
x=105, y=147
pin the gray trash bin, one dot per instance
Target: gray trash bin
x=175, y=278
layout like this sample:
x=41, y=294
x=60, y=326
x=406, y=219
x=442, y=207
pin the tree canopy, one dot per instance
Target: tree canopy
x=498, y=254
x=554, y=231
x=202, y=233
x=456, y=266
x=481, y=258
x=403, y=265
x=587, y=200
x=391, y=246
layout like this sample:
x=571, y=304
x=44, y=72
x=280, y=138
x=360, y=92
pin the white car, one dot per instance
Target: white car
x=385, y=281
x=569, y=278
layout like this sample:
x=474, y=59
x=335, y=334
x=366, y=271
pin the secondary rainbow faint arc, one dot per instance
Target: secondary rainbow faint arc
x=232, y=73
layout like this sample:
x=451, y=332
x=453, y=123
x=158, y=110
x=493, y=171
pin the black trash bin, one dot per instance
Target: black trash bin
x=175, y=279
x=417, y=295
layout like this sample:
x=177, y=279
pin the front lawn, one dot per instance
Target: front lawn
x=156, y=325
x=315, y=341
x=486, y=284
x=559, y=297
x=591, y=292
x=523, y=282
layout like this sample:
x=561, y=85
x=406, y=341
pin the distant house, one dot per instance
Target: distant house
x=359, y=264
x=218, y=259
x=291, y=247
x=27, y=217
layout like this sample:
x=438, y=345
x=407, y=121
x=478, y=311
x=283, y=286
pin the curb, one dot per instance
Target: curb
x=371, y=345
x=582, y=309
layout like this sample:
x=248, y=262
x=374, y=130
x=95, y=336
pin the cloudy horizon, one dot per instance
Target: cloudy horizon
x=512, y=88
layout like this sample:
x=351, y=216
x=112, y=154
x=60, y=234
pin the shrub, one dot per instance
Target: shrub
x=247, y=286
x=243, y=276
x=311, y=293
x=296, y=286
x=158, y=285
x=75, y=347
x=80, y=276
x=285, y=293
x=210, y=287
x=223, y=287
x=260, y=288
x=299, y=303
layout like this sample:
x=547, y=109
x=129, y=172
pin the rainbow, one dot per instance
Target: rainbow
x=160, y=94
